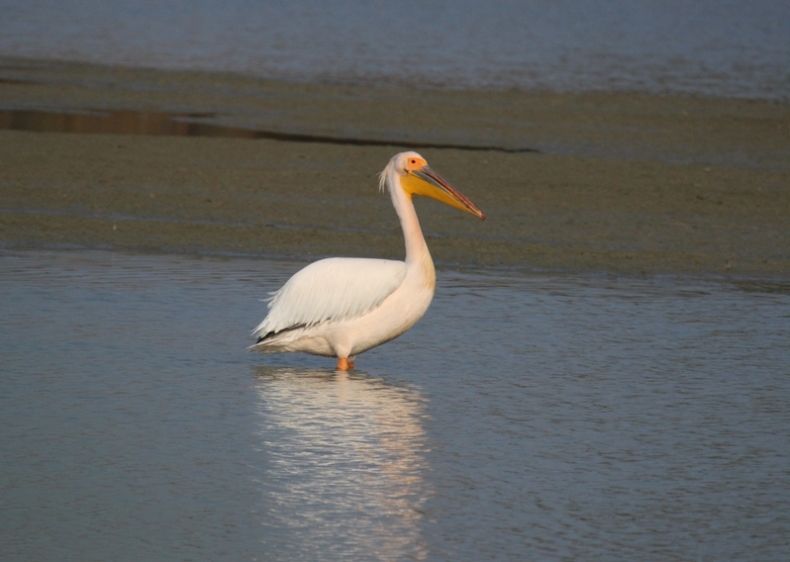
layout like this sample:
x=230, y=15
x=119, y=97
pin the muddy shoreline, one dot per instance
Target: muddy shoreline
x=618, y=182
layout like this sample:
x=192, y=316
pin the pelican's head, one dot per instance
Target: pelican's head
x=417, y=178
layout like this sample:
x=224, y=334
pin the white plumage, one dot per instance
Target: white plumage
x=341, y=307
x=350, y=288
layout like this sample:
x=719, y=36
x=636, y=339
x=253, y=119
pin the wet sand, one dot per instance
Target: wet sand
x=618, y=182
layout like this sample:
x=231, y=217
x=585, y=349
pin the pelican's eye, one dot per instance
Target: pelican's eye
x=412, y=164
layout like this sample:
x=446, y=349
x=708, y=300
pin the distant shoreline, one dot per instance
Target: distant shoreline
x=621, y=183
x=12, y=64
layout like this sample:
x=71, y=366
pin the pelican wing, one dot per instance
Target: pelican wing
x=331, y=289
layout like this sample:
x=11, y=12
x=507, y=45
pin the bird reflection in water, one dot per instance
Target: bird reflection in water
x=345, y=464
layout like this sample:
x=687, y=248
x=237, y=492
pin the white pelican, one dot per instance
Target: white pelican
x=340, y=307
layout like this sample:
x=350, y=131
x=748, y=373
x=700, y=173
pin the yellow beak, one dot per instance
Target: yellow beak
x=430, y=184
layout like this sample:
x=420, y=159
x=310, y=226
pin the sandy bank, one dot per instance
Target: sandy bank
x=620, y=183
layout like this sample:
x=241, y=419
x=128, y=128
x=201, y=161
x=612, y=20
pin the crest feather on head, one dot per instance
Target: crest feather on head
x=396, y=162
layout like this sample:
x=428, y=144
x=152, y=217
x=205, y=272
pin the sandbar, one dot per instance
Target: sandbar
x=608, y=182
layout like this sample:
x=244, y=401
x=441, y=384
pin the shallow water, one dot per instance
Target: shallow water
x=708, y=47
x=526, y=417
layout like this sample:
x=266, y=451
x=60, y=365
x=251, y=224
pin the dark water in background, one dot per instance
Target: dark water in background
x=539, y=417
x=737, y=48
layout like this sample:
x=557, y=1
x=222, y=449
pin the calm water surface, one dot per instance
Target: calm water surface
x=527, y=417
x=709, y=47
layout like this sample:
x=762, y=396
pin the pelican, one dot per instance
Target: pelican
x=341, y=307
